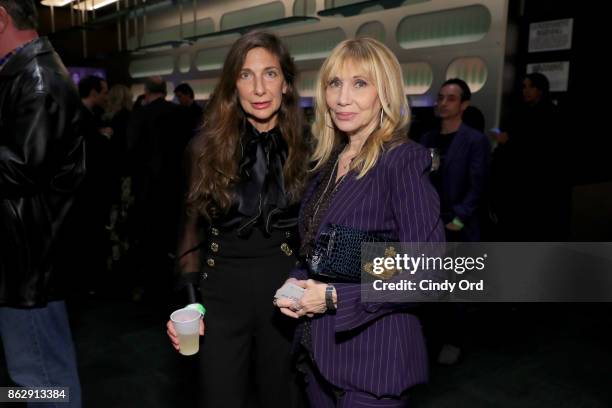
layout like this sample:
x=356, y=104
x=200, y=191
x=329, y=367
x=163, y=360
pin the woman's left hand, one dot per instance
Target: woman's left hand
x=313, y=301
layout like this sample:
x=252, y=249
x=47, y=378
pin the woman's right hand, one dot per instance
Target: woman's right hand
x=173, y=335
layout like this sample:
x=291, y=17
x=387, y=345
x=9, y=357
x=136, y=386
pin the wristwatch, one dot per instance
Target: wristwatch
x=329, y=298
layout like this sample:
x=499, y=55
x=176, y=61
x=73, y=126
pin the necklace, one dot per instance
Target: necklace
x=318, y=203
x=346, y=163
x=330, y=188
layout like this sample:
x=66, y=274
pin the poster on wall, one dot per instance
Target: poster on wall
x=556, y=72
x=551, y=35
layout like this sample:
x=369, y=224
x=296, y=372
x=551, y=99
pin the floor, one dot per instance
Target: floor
x=515, y=355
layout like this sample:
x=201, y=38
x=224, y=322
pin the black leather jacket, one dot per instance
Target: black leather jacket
x=41, y=165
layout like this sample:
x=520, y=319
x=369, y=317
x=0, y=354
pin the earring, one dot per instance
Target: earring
x=382, y=112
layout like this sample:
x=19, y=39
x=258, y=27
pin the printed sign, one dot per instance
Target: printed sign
x=550, y=35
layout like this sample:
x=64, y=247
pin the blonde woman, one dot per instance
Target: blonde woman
x=119, y=100
x=368, y=177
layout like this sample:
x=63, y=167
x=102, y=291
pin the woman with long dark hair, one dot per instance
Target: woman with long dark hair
x=247, y=171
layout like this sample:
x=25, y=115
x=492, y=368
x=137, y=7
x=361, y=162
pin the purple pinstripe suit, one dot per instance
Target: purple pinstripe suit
x=375, y=347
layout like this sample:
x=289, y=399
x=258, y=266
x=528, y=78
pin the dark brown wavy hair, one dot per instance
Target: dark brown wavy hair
x=216, y=150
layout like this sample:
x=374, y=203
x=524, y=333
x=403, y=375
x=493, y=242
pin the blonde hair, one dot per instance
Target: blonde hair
x=381, y=65
x=119, y=97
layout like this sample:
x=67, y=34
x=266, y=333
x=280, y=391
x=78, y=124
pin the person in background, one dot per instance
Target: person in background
x=464, y=163
x=139, y=102
x=117, y=115
x=41, y=166
x=186, y=97
x=461, y=180
x=94, y=96
x=532, y=186
x=158, y=134
x=93, y=203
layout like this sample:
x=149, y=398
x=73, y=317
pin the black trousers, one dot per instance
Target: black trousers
x=246, y=350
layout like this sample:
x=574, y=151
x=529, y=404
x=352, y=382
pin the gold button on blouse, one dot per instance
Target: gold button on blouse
x=214, y=247
x=210, y=262
x=214, y=231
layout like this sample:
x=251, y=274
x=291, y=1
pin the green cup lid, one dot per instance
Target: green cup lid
x=196, y=306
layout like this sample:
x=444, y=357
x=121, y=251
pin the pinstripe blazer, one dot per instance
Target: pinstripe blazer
x=377, y=347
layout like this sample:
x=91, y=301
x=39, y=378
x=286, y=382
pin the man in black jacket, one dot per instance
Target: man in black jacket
x=41, y=165
x=157, y=136
x=89, y=235
x=531, y=179
x=186, y=97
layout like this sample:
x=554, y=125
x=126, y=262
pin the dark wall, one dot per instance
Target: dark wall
x=584, y=124
x=101, y=41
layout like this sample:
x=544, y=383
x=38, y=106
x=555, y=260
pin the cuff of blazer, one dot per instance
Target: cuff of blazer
x=352, y=312
x=299, y=273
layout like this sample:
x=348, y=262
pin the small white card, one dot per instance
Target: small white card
x=291, y=291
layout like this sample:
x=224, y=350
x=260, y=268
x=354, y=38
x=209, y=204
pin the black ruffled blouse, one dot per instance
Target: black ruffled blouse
x=260, y=198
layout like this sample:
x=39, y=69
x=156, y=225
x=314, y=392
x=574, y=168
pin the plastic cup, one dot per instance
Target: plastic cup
x=187, y=324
